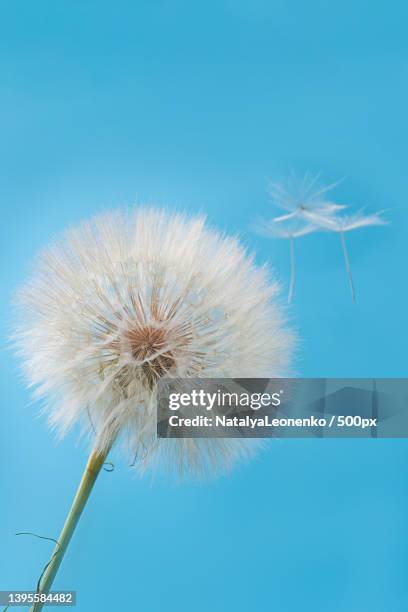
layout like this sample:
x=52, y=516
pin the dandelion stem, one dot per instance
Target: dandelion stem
x=93, y=467
x=348, y=268
x=292, y=269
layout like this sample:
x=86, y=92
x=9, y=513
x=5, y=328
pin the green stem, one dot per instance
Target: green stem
x=93, y=467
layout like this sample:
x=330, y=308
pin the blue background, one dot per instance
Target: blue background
x=195, y=106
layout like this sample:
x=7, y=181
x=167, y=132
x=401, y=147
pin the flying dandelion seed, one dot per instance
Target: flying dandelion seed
x=125, y=300
x=290, y=230
x=304, y=199
x=341, y=225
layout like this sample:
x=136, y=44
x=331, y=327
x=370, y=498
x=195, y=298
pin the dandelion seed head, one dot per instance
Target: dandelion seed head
x=129, y=298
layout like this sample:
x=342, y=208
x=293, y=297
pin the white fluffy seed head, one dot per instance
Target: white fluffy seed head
x=133, y=296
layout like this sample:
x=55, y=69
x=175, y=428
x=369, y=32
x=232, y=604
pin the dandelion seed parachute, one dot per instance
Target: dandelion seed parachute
x=299, y=195
x=133, y=296
x=342, y=224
